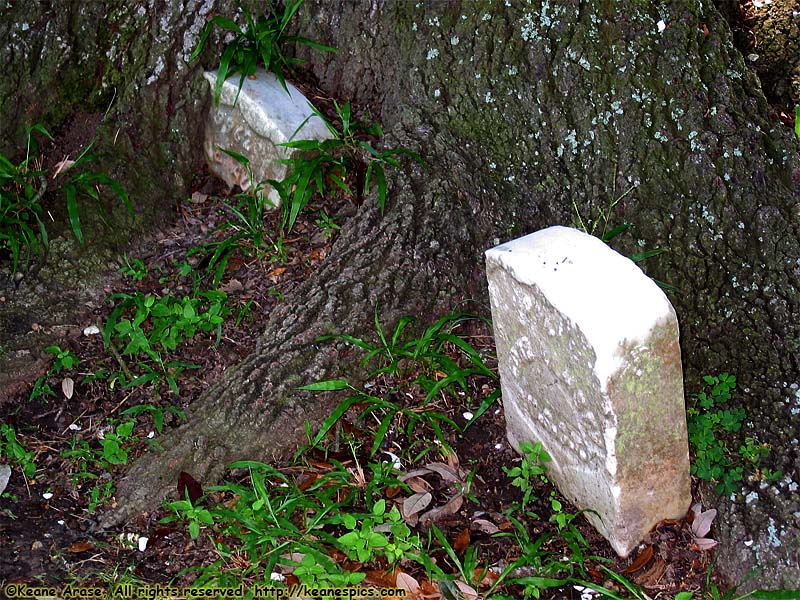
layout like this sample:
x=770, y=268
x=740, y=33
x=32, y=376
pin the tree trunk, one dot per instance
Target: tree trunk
x=529, y=116
x=115, y=73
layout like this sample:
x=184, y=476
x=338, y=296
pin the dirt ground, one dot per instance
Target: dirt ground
x=46, y=527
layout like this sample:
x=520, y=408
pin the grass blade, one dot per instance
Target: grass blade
x=72, y=211
x=330, y=385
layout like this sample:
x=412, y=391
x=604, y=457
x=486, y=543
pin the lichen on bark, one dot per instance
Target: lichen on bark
x=525, y=114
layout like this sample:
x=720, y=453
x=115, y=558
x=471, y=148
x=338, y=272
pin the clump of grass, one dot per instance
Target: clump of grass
x=261, y=40
x=22, y=191
x=322, y=166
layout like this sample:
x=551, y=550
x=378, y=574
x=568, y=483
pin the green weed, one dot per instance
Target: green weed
x=530, y=469
x=706, y=421
x=134, y=268
x=599, y=226
x=262, y=39
x=316, y=569
x=186, y=511
x=428, y=357
x=385, y=411
x=22, y=190
x=64, y=361
x=156, y=413
x=797, y=121
x=114, y=449
x=247, y=232
x=323, y=164
x=16, y=453
x=714, y=593
x=380, y=533
x=148, y=328
x=326, y=224
x=428, y=354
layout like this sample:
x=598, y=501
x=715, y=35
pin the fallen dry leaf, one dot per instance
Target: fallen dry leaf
x=417, y=484
x=652, y=576
x=462, y=542
x=275, y=273
x=485, y=526
x=67, y=387
x=640, y=561
x=447, y=473
x=488, y=577
x=80, y=547
x=416, y=503
x=701, y=524
x=188, y=485
x=407, y=582
x=466, y=590
x=62, y=166
x=309, y=479
x=702, y=544
x=451, y=507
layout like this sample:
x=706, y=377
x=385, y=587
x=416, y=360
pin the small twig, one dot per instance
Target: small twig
x=73, y=422
x=122, y=364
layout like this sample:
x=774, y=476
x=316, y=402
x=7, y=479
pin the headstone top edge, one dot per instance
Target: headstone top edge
x=263, y=90
x=603, y=292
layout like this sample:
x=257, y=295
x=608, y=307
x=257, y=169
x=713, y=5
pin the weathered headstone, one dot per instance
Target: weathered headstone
x=590, y=366
x=263, y=116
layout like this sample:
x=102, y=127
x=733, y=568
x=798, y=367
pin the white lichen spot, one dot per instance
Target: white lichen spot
x=488, y=97
x=434, y=22
x=413, y=26
x=544, y=18
x=528, y=28
x=492, y=165
x=486, y=17
x=477, y=75
x=661, y=25
x=512, y=70
x=661, y=137
x=454, y=40
x=751, y=497
x=737, y=152
x=437, y=92
x=572, y=141
x=432, y=53
x=695, y=144
x=772, y=532
x=156, y=71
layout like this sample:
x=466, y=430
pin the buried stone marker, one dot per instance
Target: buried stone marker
x=253, y=124
x=590, y=366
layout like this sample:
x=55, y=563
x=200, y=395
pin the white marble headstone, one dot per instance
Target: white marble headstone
x=590, y=366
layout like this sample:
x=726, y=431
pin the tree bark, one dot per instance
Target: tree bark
x=114, y=73
x=529, y=116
